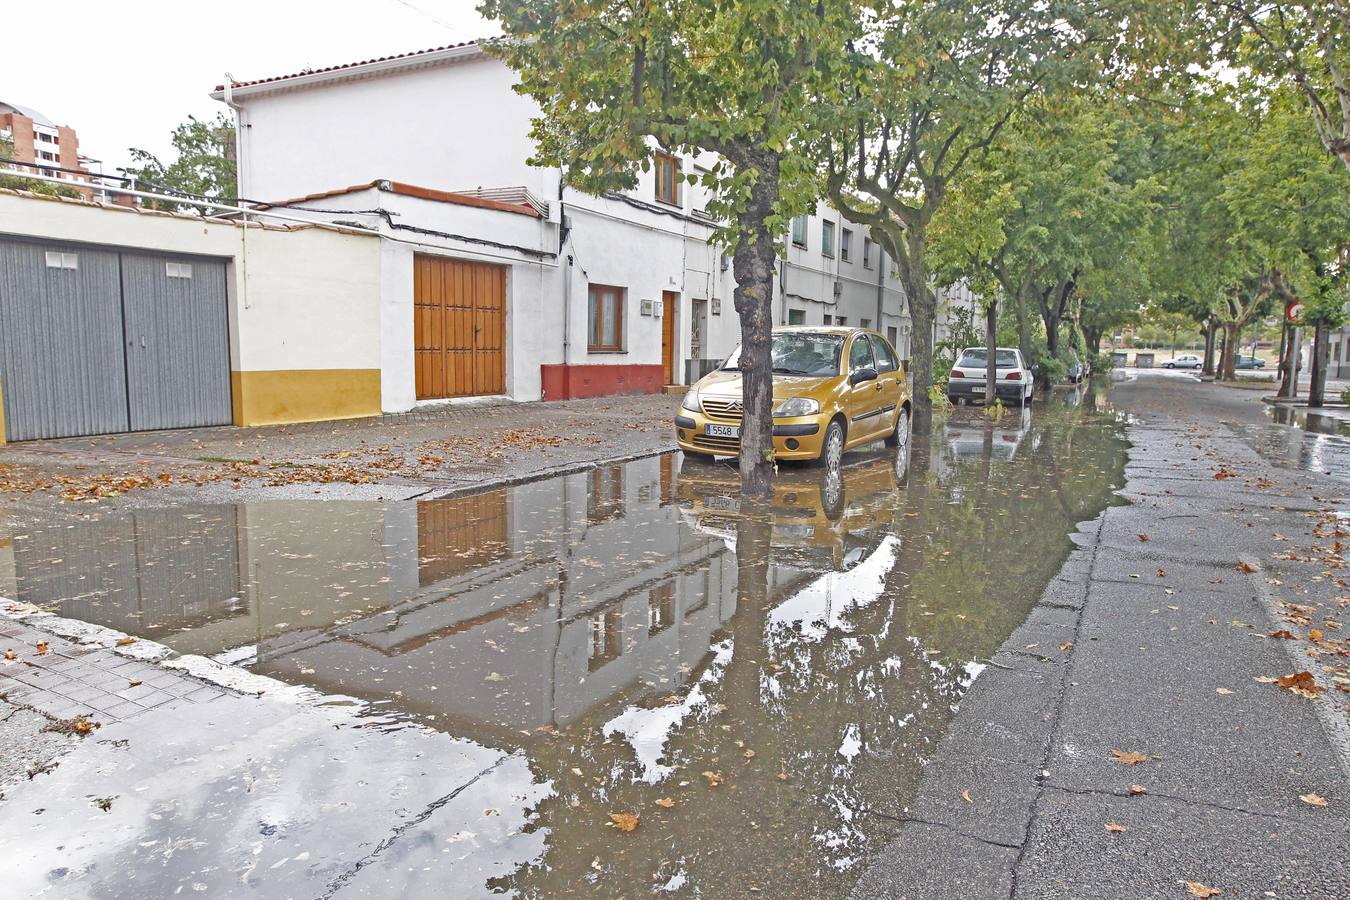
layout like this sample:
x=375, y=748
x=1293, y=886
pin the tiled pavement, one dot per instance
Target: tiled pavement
x=70, y=680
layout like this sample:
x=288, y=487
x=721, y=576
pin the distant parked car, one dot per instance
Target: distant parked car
x=1077, y=371
x=1012, y=376
x=1185, y=361
x=1250, y=362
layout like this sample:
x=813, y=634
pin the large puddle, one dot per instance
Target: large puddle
x=762, y=690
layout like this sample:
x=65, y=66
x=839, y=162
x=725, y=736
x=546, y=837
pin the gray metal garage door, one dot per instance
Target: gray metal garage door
x=93, y=340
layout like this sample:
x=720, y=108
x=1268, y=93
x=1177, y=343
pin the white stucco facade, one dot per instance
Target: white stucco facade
x=448, y=120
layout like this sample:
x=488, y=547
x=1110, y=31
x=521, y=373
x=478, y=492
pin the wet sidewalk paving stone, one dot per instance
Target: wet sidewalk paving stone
x=66, y=680
x=614, y=682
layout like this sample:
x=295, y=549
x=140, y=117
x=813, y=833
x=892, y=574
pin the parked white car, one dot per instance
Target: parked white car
x=1184, y=361
x=1013, y=382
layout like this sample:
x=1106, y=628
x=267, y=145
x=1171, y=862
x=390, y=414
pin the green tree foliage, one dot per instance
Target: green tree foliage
x=1305, y=44
x=204, y=165
x=937, y=82
x=616, y=78
x=1057, y=216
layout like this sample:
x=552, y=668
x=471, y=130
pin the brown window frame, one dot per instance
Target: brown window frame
x=595, y=333
x=662, y=163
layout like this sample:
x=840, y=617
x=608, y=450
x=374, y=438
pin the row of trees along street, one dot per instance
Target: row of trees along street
x=1075, y=162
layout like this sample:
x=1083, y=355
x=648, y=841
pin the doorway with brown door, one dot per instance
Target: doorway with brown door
x=459, y=328
x=670, y=301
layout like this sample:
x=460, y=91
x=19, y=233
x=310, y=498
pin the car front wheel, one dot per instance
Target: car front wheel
x=832, y=448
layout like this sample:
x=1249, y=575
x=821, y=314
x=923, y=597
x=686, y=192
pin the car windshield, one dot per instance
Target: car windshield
x=1005, y=359
x=799, y=353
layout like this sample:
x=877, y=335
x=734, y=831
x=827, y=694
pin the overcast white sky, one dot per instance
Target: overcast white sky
x=123, y=75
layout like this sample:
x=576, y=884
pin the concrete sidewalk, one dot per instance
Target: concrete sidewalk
x=1153, y=644
x=433, y=451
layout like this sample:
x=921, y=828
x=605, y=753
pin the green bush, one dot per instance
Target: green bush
x=1345, y=396
x=1103, y=362
x=1050, y=369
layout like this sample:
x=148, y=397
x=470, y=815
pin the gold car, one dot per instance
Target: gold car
x=833, y=389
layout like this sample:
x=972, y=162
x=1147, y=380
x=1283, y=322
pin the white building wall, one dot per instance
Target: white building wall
x=441, y=127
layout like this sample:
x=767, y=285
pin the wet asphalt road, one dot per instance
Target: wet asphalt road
x=903, y=681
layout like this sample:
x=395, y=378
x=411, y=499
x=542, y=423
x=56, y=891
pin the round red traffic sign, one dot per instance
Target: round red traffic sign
x=1293, y=311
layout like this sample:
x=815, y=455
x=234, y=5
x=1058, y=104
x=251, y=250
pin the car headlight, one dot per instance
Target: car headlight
x=690, y=401
x=796, y=406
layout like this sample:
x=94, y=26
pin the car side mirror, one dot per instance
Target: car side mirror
x=866, y=373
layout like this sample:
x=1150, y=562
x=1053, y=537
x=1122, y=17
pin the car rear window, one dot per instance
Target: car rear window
x=1005, y=359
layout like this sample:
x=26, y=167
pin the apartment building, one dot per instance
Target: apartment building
x=38, y=141
x=499, y=279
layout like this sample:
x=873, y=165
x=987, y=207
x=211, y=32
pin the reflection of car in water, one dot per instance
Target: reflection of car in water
x=967, y=437
x=820, y=520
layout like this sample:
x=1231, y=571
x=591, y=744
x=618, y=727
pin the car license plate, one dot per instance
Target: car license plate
x=727, y=504
x=730, y=431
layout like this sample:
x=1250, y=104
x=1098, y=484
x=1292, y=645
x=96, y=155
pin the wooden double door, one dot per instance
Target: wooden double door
x=459, y=327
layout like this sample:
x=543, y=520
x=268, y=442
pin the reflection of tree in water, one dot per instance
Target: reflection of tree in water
x=838, y=686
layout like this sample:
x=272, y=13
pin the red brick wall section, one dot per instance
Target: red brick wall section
x=22, y=128
x=575, y=382
x=70, y=147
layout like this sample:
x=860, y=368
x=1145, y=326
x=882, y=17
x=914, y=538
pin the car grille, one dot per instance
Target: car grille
x=722, y=410
x=720, y=444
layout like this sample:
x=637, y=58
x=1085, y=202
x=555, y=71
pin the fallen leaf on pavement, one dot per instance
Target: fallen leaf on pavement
x=1066, y=645
x=714, y=778
x=1162, y=573
x=10, y=655
x=1313, y=799
x=1265, y=679
x=1247, y=568
x=965, y=795
x=1144, y=538
x=1137, y=789
x=42, y=648
x=1129, y=757
x=1202, y=890
x=1283, y=634
x=1301, y=683
x=1222, y=691
x=624, y=821
x=666, y=802
x=1115, y=827
x=1314, y=634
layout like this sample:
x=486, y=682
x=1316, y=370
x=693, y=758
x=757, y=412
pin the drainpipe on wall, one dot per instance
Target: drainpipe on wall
x=563, y=230
x=881, y=294
x=238, y=184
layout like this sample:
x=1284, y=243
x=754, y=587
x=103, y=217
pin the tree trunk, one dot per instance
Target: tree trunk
x=754, y=260
x=1289, y=382
x=1209, y=348
x=1282, y=358
x=1230, y=339
x=922, y=309
x=1092, y=338
x=991, y=348
x=1317, y=386
x=1023, y=326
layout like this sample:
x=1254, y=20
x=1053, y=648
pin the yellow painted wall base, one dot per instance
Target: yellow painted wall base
x=304, y=395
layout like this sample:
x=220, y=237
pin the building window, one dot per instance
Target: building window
x=841, y=320
x=799, y=231
x=606, y=629
x=660, y=607
x=866, y=323
x=60, y=260
x=867, y=253
x=827, y=239
x=891, y=334
x=796, y=317
x=605, y=333
x=668, y=179
x=178, y=270
x=828, y=319
x=845, y=243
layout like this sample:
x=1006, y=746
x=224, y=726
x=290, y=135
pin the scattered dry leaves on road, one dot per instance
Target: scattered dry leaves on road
x=624, y=821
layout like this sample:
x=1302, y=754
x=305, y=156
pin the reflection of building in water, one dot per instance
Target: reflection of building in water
x=521, y=607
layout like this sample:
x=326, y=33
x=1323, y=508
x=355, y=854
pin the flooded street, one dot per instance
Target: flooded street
x=492, y=690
